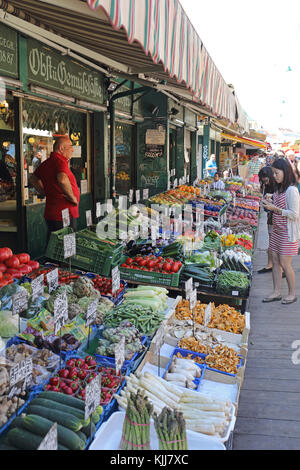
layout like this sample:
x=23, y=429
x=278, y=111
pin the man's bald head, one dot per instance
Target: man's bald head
x=63, y=146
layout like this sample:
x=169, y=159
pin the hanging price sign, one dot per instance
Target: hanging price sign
x=92, y=396
x=91, y=313
x=50, y=440
x=52, y=280
x=89, y=220
x=37, y=286
x=120, y=354
x=20, y=302
x=115, y=277
x=69, y=245
x=60, y=312
x=65, y=217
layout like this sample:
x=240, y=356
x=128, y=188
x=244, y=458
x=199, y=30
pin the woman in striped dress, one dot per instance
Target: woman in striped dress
x=286, y=229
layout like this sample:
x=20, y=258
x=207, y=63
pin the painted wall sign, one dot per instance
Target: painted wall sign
x=8, y=52
x=51, y=70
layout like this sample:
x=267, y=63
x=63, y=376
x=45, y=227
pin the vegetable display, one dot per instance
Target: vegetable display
x=233, y=281
x=171, y=430
x=153, y=263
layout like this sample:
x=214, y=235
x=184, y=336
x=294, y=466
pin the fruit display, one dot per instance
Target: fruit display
x=14, y=266
x=123, y=176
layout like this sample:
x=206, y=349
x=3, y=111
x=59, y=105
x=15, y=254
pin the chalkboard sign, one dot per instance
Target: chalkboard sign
x=154, y=151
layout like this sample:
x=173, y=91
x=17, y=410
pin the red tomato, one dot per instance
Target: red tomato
x=5, y=253
x=23, y=258
x=14, y=273
x=12, y=262
x=25, y=269
x=129, y=261
x=167, y=267
x=3, y=267
x=34, y=264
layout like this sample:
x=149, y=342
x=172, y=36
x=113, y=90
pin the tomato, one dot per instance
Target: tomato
x=3, y=267
x=5, y=253
x=24, y=269
x=150, y=264
x=143, y=262
x=167, y=267
x=14, y=273
x=34, y=264
x=23, y=258
x=129, y=261
x=175, y=267
x=12, y=262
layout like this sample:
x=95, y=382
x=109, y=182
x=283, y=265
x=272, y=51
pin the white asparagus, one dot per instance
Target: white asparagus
x=190, y=384
x=197, y=412
x=185, y=363
x=162, y=392
x=166, y=398
x=163, y=383
x=208, y=407
x=201, y=427
x=189, y=397
x=177, y=377
x=176, y=370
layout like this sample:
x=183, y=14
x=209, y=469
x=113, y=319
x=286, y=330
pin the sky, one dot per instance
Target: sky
x=256, y=47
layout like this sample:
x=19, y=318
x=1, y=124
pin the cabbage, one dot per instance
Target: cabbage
x=8, y=327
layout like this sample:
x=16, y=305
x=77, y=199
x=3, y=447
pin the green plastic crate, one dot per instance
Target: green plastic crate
x=56, y=242
x=150, y=277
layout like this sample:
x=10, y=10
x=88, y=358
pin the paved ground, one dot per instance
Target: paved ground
x=269, y=407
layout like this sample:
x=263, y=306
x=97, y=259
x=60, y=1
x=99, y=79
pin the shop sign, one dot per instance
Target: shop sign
x=8, y=52
x=51, y=70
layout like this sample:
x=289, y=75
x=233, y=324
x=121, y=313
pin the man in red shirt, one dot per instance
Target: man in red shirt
x=54, y=179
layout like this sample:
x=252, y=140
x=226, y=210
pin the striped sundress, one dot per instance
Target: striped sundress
x=279, y=238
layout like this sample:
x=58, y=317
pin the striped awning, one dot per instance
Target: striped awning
x=151, y=40
x=164, y=32
x=245, y=140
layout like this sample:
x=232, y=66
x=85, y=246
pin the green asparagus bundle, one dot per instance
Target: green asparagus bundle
x=136, y=426
x=171, y=430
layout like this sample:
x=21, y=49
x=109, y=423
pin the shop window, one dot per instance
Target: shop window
x=42, y=124
x=124, y=166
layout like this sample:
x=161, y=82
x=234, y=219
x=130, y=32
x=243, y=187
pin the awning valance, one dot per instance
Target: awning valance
x=245, y=140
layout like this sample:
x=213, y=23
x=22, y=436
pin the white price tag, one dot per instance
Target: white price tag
x=130, y=197
x=207, y=314
x=19, y=302
x=50, y=440
x=98, y=210
x=52, y=280
x=235, y=293
x=158, y=340
x=175, y=183
x=122, y=202
x=137, y=196
x=120, y=354
x=37, y=286
x=188, y=287
x=69, y=245
x=91, y=313
x=193, y=299
x=65, y=217
x=89, y=219
x=115, y=277
x=109, y=206
x=60, y=312
x=145, y=194
x=92, y=396
x=21, y=371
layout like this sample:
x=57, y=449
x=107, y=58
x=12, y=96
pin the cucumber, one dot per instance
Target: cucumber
x=86, y=429
x=57, y=416
x=64, y=399
x=49, y=404
x=82, y=436
x=7, y=447
x=42, y=426
x=23, y=439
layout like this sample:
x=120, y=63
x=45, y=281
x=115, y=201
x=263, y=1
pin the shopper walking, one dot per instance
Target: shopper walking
x=286, y=228
x=267, y=185
x=54, y=179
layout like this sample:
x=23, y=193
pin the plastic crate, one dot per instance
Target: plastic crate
x=56, y=241
x=235, y=291
x=183, y=352
x=116, y=300
x=186, y=352
x=151, y=277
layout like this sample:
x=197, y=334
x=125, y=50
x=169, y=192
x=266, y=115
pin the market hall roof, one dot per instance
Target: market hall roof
x=163, y=48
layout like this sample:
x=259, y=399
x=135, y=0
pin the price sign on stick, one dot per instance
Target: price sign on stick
x=158, y=341
x=145, y=193
x=109, y=206
x=115, y=277
x=193, y=303
x=91, y=313
x=207, y=314
x=69, y=245
x=92, y=396
x=120, y=354
x=50, y=440
x=65, y=217
x=60, y=312
x=52, y=280
x=20, y=302
x=89, y=220
x=130, y=196
x=188, y=287
x=98, y=210
x=137, y=195
x=37, y=286
x=20, y=372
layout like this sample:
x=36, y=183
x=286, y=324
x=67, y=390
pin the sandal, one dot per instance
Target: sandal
x=264, y=270
x=286, y=302
x=272, y=299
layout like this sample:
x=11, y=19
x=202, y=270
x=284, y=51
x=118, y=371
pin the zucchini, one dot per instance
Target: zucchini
x=57, y=416
x=64, y=399
x=49, y=404
x=7, y=447
x=23, y=439
x=42, y=426
x=82, y=436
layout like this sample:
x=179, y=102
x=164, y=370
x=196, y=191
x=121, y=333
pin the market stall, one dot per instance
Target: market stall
x=97, y=324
